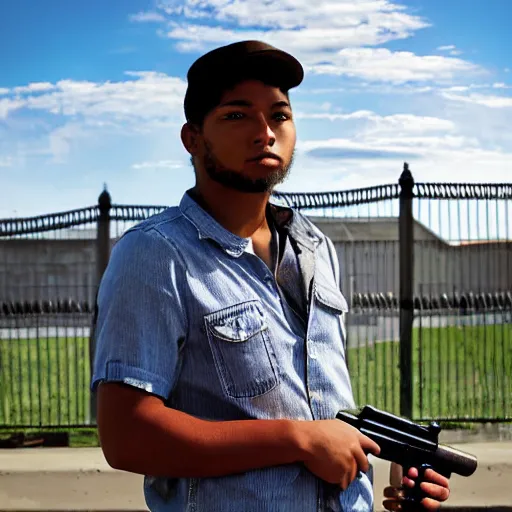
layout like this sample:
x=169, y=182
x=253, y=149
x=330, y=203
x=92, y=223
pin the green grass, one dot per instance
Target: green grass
x=464, y=372
x=44, y=381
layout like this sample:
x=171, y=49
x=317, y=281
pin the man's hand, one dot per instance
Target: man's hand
x=436, y=487
x=336, y=451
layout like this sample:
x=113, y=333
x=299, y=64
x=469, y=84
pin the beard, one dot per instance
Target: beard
x=235, y=180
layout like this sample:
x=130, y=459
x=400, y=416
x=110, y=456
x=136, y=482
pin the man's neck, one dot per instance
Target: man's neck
x=240, y=213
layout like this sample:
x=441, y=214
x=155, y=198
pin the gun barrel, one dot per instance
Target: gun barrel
x=459, y=462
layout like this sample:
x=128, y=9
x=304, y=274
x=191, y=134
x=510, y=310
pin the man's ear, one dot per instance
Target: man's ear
x=189, y=136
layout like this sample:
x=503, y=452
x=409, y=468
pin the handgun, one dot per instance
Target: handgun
x=410, y=445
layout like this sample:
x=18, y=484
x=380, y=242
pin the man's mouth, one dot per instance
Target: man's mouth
x=266, y=158
x=265, y=155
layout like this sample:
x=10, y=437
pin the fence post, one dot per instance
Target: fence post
x=406, y=242
x=102, y=257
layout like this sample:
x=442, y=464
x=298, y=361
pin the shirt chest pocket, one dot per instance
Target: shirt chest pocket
x=327, y=324
x=242, y=349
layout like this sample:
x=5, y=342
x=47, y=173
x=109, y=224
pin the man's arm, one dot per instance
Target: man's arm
x=138, y=433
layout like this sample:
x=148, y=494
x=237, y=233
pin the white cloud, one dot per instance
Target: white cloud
x=421, y=145
x=381, y=64
x=8, y=105
x=383, y=19
x=33, y=87
x=159, y=164
x=146, y=97
x=364, y=88
x=455, y=167
x=359, y=161
x=6, y=161
x=328, y=36
x=457, y=88
x=375, y=64
x=147, y=16
x=61, y=140
x=396, y=123
x=490, y=101
x=501, y=85
x=366, y=154
x=409, y=123
x=75, y=112
x=450, y=48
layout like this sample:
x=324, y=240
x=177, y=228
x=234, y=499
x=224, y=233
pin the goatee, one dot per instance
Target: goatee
x=237, y=181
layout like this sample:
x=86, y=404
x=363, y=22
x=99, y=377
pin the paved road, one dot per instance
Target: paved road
x=43, y=479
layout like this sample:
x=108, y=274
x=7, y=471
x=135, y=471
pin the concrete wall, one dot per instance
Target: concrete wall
x=370, y=267
x=47, y=269
x=50, y=269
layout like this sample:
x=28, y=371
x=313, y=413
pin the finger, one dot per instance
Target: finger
x=437, y=492
x=396, y=473
x=349, y=476
x=413, y=473
x=361, y=460
x=392, y=505
x=407, y=482
x=436, y=478
x=430, y=505
x=353, y=473
x=430, y=476
x=394, y=492
x=369, y=446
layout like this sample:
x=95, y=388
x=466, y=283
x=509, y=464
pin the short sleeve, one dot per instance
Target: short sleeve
x=141, y=318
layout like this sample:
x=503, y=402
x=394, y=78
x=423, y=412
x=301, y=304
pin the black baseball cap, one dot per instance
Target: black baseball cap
x=220, y=69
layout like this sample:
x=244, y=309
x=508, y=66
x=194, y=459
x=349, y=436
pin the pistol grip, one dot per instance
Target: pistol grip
x=416, y=494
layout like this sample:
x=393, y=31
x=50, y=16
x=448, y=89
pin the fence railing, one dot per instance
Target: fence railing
x=426, y=268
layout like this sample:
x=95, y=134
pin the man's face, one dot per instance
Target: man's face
x=247, y=141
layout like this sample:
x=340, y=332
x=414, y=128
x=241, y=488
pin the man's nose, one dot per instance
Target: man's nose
x=264, y=135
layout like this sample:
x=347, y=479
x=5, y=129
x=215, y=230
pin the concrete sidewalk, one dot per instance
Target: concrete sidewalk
x=43, y=479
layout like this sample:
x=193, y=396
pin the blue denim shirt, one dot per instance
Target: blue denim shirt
x=186, y=312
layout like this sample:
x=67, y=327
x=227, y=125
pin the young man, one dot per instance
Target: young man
x=220, y=336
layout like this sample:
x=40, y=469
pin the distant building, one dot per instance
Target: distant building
x=368, y=250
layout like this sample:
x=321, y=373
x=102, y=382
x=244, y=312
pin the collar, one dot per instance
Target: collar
x=208, y=228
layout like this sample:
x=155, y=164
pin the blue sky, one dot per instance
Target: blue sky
x=91, y=93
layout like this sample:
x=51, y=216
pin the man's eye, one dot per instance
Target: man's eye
x=234, y=115
x=281, y=116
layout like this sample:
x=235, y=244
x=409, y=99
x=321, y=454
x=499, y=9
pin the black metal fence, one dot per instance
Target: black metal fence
x=427, y=269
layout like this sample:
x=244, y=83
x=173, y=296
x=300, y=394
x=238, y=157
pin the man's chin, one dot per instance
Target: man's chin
x=248, y=184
